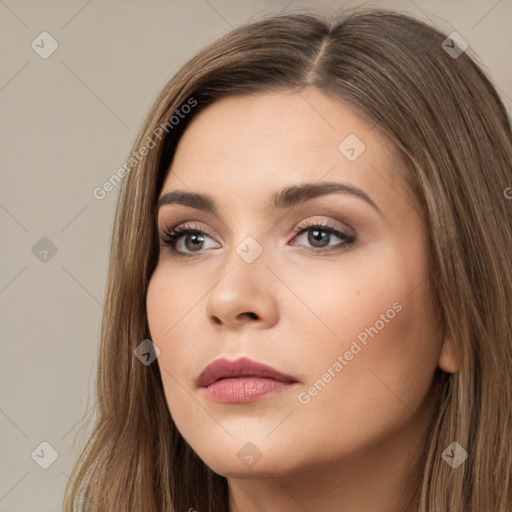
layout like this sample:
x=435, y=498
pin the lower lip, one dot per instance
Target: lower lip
x=242, y=390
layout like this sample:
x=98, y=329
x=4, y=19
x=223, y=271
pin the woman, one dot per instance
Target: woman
x=308, y=301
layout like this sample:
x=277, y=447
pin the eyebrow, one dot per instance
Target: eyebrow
x=285, y=198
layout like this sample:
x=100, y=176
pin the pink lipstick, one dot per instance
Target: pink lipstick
x=242, y=380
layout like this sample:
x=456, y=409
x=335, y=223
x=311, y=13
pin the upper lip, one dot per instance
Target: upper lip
x=243, y=367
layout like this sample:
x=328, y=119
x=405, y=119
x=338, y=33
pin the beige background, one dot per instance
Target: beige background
x=67, y=124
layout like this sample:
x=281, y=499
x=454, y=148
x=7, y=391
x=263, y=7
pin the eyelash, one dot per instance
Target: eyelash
x=170, y=237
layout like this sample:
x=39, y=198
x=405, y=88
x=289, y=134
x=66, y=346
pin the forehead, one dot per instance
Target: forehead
x=255, y=144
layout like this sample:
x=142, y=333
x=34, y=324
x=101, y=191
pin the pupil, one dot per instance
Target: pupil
x=316, y=236
x=196, y=238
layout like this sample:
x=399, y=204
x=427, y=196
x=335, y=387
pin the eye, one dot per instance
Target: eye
x=319, y=236
x=188, y=240
x=188, y=237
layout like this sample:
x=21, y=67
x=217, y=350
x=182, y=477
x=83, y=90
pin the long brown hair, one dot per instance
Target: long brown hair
x=454, y=133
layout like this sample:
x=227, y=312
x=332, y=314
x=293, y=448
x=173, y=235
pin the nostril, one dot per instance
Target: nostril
x=252, y=315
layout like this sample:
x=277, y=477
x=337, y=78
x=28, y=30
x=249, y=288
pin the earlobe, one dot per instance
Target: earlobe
x=448, y=357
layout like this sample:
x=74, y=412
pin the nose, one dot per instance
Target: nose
x=244, y=295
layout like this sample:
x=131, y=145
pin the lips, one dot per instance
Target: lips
x=243, y=367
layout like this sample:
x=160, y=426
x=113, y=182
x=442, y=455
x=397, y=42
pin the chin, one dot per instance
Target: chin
x=244, y=459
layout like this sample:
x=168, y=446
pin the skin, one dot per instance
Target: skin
x=352, y=445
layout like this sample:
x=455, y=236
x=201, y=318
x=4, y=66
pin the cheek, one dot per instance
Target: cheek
x=373, y=379
x=170, y=302
x=335, y=303
x=170, y=313
x=373, y=329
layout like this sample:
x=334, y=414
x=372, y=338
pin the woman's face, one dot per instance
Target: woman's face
x=343, y=308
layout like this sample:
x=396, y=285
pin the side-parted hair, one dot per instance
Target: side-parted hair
x=454, y=135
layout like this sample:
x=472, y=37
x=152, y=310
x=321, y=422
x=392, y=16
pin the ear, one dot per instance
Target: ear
x=448, y=357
